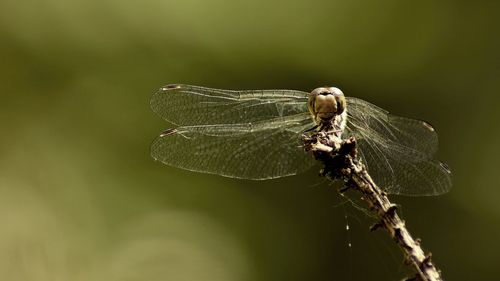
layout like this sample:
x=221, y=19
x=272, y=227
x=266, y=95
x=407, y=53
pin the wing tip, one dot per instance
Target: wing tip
x=445, y=167
x=168, y=132
x=170, y=87
x=428, y=126
x=156, y=100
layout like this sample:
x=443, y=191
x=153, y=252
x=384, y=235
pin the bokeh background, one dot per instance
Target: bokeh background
x=81, y=199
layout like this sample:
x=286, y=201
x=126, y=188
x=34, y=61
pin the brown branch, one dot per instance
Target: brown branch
x=341, y=162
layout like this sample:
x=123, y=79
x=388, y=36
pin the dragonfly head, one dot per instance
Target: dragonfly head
x=325, y=103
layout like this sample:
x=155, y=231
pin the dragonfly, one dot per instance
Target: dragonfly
x=257, y=135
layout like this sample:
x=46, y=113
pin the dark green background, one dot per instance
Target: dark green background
x=81, y=199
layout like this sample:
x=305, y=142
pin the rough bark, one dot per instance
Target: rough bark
x=341, y=161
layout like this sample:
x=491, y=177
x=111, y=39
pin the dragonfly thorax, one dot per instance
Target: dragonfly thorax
x=327, y=106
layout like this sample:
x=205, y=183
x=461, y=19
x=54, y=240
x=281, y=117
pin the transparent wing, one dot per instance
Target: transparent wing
x=192, y=105
x=261, y=150
x=398, y=152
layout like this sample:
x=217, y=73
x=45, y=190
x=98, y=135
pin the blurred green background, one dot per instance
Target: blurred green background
x=81, y=199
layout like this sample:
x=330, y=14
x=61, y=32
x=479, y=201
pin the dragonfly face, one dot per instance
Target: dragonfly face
x=256, y=134
x=327, y=106
x=325, y=103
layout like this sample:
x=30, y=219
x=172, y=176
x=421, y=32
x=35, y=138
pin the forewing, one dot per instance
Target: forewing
x=192, y=105
x=398, y=152
x=263, y=150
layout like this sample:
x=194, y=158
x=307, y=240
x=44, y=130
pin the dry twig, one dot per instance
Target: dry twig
x=341, y=161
